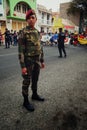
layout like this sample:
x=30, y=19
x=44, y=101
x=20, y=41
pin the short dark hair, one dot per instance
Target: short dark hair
x=60, y=29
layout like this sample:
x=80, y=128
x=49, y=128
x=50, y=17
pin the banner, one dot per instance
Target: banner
x=58, y=23
x=82, y=40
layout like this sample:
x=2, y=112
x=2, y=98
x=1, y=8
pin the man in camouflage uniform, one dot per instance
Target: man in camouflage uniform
x=31, y=58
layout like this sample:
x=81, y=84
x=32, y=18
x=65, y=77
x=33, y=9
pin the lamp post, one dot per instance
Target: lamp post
x=81, y=22
x=80, y=6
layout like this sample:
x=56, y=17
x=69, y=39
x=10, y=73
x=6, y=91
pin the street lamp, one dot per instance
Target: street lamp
x=81, y=7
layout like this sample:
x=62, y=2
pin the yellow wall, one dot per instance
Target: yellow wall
x=17, y=25
x=3, y=26
x=14, y=27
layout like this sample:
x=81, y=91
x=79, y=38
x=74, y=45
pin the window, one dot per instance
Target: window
x=0, y=1
x=48, y=16
x=1, y=8
x=42, y=29
x=15, y=8
x=42, y=15
x=18, y=7
x=24, y=8
x=47, y=30
x=21, y=7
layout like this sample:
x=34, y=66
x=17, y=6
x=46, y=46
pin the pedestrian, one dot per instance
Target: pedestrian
x=55, y=38
x=15, y=38
x=31, y=59
x=1, y=37
x=61, y=47
x=7, y=38
x=11, y=37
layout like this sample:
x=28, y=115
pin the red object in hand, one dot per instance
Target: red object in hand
x=42, y=65
x=24, y=71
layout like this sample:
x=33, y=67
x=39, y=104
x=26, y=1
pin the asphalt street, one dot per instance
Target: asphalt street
x=63, y=83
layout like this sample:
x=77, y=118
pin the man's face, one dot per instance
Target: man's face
x=32, y=20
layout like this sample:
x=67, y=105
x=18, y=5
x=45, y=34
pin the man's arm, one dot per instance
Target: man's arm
x=42, y=55
x=21, y=48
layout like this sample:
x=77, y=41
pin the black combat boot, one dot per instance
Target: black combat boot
x=36, y=97
x=60, y=56
x=65, y=55
x=27, y=104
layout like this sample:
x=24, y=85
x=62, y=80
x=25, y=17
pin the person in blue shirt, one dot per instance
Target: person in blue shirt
x=54, y=38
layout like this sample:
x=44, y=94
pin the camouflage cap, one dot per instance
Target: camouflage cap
x=29, y=13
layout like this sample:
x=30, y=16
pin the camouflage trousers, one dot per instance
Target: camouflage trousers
x=33, y=69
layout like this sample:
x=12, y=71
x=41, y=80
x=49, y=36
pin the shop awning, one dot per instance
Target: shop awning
x=69, y=27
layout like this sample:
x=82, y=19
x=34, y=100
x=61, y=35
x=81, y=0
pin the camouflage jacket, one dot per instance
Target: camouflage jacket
x=29, y=44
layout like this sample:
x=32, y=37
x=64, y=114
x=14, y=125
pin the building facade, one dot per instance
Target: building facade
x=2, y=16
x=69, y=20
x=44, y=21
x=13, y=13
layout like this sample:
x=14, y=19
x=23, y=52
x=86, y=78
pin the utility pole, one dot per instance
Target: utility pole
x=81, y=22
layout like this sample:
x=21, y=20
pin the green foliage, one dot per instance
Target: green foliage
x=77, y=6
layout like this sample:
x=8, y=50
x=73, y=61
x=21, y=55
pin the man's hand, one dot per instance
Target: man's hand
x=42, y=65
x=24, y=71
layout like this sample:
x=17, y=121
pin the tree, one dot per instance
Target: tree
x=79, y=6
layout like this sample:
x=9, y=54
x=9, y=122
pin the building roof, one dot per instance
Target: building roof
x=43, y=8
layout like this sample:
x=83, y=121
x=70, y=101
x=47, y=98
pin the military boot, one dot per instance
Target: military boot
x=36, y=97
x=27, y=104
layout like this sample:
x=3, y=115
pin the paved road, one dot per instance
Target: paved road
x=63, y=83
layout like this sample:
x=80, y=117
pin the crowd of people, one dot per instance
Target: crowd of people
x=74, y=38
x=8, y=38
x=50, y=39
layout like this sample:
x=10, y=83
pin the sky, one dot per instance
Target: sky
x=54, y=4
